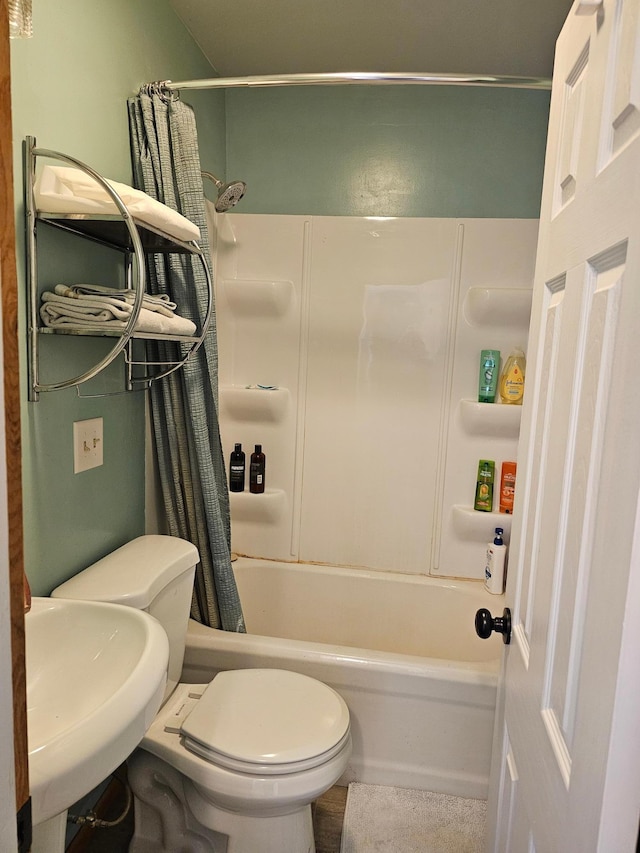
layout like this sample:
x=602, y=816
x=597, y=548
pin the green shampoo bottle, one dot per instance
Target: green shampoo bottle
x=484, y=485
x=488, y=378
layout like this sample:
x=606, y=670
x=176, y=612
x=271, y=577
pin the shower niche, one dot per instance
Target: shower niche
x=488, y=317
x=349, y=349
x=261, y=407
x=258, y=293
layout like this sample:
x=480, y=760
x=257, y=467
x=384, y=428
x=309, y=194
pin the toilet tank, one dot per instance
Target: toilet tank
x=152, y=573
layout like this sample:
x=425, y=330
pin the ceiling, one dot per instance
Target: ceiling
x=245, y=37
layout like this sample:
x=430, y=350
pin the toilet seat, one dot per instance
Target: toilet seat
x=266, y=721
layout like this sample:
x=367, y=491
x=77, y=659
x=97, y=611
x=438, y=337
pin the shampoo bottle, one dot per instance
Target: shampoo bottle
x=507, y=487
x=488, y=379
x=484, y=485
x=495, y=564
x=512, y=378
x=256, y=471
x=237, y=469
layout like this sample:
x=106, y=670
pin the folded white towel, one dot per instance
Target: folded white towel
x=104, y=309
x=60, y=312
x=121, y=298
x=64, y=189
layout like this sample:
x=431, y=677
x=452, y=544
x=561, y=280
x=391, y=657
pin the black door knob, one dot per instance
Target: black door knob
x=485, y=624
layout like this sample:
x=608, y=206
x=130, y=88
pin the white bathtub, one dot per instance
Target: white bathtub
x=400, y=649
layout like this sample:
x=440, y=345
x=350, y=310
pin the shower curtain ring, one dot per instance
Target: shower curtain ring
x=161, y=89
x=169, y=96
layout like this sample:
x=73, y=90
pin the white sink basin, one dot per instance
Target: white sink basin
x=95, y=680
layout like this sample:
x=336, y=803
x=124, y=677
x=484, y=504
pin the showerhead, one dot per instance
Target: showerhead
x=228, y=194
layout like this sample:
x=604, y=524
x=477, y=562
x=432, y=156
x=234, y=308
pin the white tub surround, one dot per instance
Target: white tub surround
x=371, y=330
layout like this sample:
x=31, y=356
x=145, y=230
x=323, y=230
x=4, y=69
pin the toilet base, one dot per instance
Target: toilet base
x=171, y=815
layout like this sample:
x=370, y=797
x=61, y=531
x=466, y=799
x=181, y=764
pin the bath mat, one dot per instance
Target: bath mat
x=380, y=819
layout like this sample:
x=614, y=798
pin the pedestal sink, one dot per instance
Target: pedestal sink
x=95, y=680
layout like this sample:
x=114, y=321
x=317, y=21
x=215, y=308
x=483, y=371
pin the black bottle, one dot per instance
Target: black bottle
x=237, y=470
x=256, y=471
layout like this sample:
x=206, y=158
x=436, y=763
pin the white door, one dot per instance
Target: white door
x=566, y=772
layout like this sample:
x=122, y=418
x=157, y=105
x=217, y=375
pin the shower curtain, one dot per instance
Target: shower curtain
x=184, y=405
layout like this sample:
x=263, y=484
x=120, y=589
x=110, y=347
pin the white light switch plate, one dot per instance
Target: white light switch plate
x=87, y=445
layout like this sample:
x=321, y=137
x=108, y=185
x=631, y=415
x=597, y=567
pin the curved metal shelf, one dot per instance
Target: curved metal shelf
x=110, y=230
x=123, y=233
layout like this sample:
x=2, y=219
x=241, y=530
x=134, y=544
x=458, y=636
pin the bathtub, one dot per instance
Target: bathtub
x=400, y=649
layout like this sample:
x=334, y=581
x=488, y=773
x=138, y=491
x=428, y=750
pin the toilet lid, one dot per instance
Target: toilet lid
x=266, y=717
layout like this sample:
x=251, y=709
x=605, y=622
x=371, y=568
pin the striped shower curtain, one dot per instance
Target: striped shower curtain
x=184, y=405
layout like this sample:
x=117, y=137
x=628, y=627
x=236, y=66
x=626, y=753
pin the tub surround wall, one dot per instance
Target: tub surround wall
x=380, y=307
x=371, y=329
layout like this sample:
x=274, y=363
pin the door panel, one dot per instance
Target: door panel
x=573, y=564
x=623, y=104
x=523, y=610
x=571, y=132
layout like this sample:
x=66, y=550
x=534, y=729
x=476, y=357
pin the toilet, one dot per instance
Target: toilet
x=226, y=767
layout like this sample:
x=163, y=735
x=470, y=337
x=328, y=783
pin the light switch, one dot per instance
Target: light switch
x=87, y=444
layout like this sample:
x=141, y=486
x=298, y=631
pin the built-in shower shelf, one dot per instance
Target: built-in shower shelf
x=257, y=297
x=490, y=419
x=264, y=405
x=472, y=525
x=498, y=306
x=267, y=507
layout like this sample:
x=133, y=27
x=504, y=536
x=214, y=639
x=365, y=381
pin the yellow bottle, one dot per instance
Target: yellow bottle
x=512, y=378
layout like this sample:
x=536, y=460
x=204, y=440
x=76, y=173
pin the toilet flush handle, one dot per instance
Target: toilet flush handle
x=485, y=624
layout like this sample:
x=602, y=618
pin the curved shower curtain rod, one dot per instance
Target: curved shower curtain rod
x=373, y=78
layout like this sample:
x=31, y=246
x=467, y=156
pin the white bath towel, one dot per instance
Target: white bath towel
x=124, y=299
x=89, y=308
x=64, y=189
x=61, y=312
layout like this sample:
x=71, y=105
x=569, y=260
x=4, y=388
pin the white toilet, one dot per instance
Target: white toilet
x=227, y=767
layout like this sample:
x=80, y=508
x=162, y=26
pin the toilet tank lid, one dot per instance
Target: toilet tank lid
x=133, y=574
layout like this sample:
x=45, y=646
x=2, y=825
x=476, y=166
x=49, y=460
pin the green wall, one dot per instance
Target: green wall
x=388, y=150
x=70, y=85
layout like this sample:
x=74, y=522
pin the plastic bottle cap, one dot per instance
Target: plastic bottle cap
x=258, y=448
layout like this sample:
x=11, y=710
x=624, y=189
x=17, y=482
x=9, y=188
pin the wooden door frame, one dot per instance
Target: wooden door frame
x=9, y=298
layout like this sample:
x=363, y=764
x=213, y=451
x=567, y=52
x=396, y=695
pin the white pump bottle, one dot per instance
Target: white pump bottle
x=495, y=564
